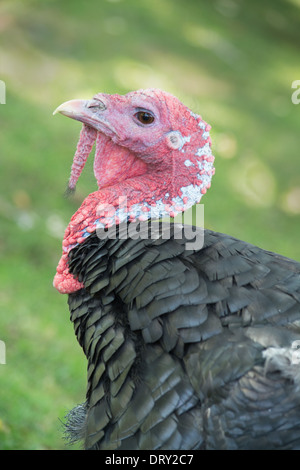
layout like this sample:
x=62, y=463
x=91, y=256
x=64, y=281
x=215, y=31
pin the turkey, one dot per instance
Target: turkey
x=188, y=345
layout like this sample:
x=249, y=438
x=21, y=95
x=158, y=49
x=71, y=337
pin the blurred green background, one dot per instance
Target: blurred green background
x=231, y=61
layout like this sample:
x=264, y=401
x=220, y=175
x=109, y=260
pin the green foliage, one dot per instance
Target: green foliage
x=231, y=61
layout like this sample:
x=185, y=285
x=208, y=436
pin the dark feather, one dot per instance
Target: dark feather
x=186, y=349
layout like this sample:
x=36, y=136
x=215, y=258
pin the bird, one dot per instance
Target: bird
x=189, y=345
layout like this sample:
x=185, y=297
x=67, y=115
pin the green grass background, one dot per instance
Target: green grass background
x=231, y=61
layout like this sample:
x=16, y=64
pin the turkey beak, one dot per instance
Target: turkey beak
x=86, y=111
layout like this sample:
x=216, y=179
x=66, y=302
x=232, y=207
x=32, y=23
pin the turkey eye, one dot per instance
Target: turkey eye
x=144, y=117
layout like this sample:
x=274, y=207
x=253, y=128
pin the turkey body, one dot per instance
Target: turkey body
x=186, y=349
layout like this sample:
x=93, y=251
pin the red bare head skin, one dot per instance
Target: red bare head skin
x=151, y=150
